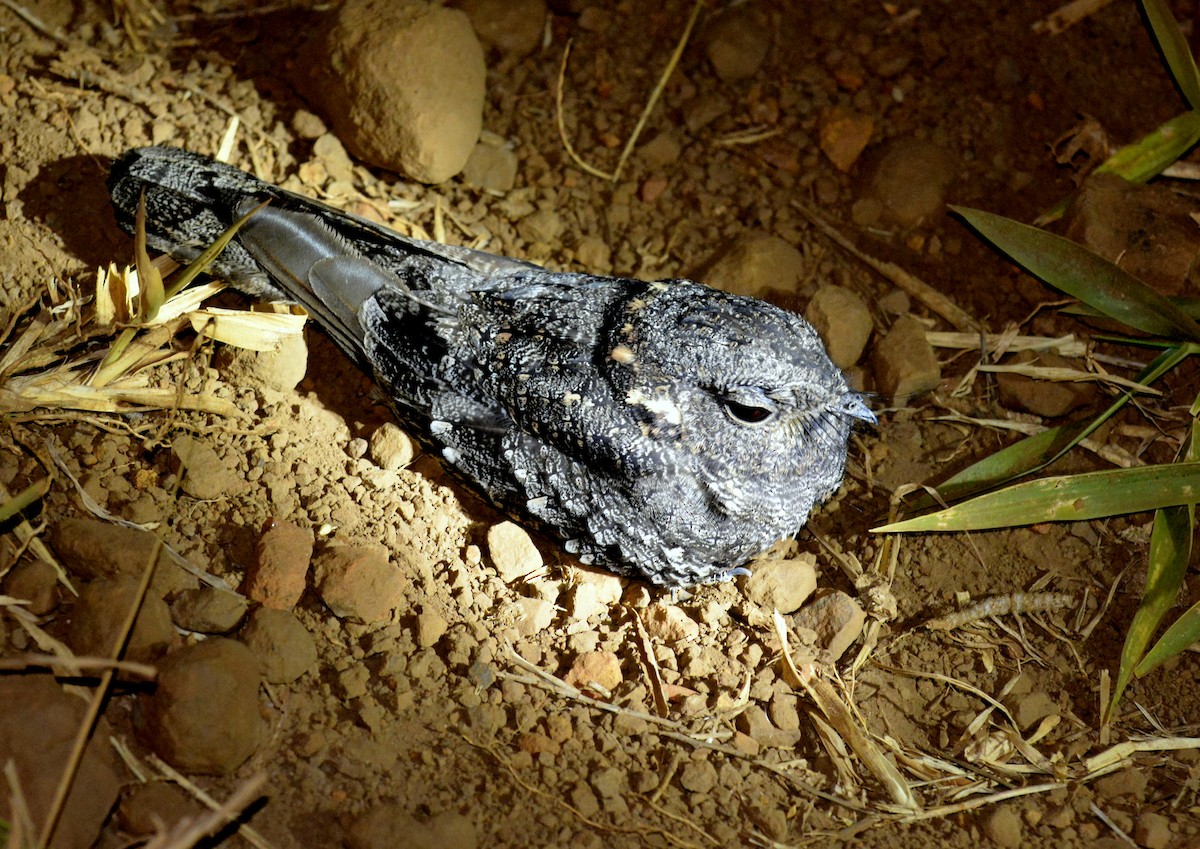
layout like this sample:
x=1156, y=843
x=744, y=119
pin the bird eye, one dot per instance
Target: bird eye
x=747, y=413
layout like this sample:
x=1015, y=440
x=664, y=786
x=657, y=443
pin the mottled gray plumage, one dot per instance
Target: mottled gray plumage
x=666, y=430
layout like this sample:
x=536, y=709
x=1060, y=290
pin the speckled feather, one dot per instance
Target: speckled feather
x=664, y=430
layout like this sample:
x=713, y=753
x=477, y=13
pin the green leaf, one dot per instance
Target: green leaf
x=201, y=263
x=1175, y=50
x=1075, y=270
x=1183, y=632
x=1069, y=498
x=23, y=499
x=1155, y=151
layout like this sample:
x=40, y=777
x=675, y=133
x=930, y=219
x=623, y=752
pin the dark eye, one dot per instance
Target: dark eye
x=747, y=413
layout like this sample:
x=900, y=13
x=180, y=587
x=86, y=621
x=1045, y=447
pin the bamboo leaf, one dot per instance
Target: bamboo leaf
x=1175, y=50
x=1078, y=272
x=1069, y=498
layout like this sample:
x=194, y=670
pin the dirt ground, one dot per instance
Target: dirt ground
x=447, y=721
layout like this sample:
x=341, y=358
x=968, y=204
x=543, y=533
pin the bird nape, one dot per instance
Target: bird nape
x=663, y=430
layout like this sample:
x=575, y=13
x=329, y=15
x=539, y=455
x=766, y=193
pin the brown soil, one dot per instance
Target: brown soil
x=429, y=711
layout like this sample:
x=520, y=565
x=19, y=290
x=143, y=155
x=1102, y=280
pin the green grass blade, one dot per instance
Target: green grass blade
x=1069, y=498
x=23, y=499
x=1174, y=46
x=1073, y=269
x=1183, y=632
x=200, y=264
x=1149, y=155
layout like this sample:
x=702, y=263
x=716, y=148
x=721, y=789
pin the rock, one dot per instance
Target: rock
x=836, y=618
x=843, y=135
x=1033, y=707
x=1004, y=827
x=1152, y=830
x=843, y=321
x=204, y=475
x=389, y=825
x=150, y=806
x=390, y=447
x=736, y=43
x=100, y=613
x=284, y=647
x=492, y=167
x=1146, y=229
x=203, y=714
x=279, y=573
x=595, y=667
x=903, y=362
x=669, y=623
x=1047, y=398
x=543, y=226
x=306, y=125
x=401, y=83
x=94, y=549
x=609, y=783
x=781, y=585
x=909, y=179
x=431, y=625
x=38, y=724
x=753, y=722
x=208, y=610
x=35, y=582
x=759, y=265
x=279, y=370
x=537, y=615
x=513, y=27
x=358, y=583
x=512, y=551
x=661, y=151
x=537, y=744
x=698, y=776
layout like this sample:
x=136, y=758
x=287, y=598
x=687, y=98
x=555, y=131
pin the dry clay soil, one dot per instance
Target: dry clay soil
x=423, y=728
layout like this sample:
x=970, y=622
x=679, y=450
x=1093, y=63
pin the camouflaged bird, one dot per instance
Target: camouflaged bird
x=664, y=430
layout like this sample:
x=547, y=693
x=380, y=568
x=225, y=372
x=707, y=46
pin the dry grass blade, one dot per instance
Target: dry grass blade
x=23, y=499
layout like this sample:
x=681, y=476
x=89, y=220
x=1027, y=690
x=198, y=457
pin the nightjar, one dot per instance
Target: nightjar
x=663, y=430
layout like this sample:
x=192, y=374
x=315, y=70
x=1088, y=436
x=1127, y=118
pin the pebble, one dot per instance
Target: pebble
x=431, y=625
x=757, y=264
x=535, y=744
x=38, y=725
x=204, y=474
x=537, y=614
x=1003, y=826
x=390, y=447
x=1126, y=782
x=284, y=647
x=754, y=723
x=1046, y=398
x=401, y=83
x=280, y=369
x=307, y=125
x=542, y=226
x=34, y=582
x=203, y=714
x=736, y=43
x=781, y=585
x=92, y=549
x=389, y=825
x=843, y=321
x=598, y=667
x=698, y=776
x=358, y=583
x=661, y=151
x=843, y=135
x=609, y=782
x=149, y=806
x=514, y=27
x=1152, y=830
x=669, y=623
x=100, y=613
x=836, y=618
x=909, y=179
x=904, y=363
x=278, y=574
x=491, y=167
x=208, y=610
x=1148, y=229
x=512, y=551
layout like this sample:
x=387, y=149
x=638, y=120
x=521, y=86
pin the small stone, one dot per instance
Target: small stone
x=781, y=585
x=843, y=135
x=1126, y=782
x=358, y=582
x=390, y=447
x=836, y=618
x=609, y=783
x=208, y=610
x=669, y=623
x=537, y=744
x=491, y=167
x=284, y=647
x=904, y=363
x=698, y=776
x=595, y=667
x=1152, y=830
x=512, y=551
x=736, y=43
x=204, y=474
x=583, y=799
x=513, y=27
x=203, y=714
x=909, y=179
x=389, y=825
x=843, y=321
x=280, y=369
x=1034, y=707
x=307, y=125
x=784, y=711
x=537, y=614
x=279, y=573
x=754, y=723
x=431, y=625
x=543, y=226
x=94, y=549
x=1047, y=398
x=152, y=805
x=101, y=611
x=760, y=265
x=661, y=151
x=1004, y=827
x=34, y=582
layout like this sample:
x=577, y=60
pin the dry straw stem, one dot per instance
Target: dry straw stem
x=918, y=289
x=655, y=94
x=249, y=834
